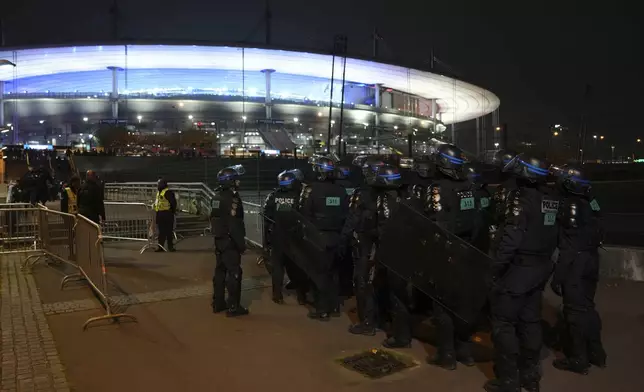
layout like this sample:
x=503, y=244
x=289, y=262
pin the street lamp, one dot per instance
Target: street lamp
x=601, y=137
x=612, y=152
x=296, y=120
x=496, y=145
x=556, y=133
x=595, y=137
x=639, y=140
x=85, y=119
x=42, y=121
x=139, y=117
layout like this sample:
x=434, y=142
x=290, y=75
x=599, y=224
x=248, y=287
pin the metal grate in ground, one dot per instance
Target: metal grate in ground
x=377, y=363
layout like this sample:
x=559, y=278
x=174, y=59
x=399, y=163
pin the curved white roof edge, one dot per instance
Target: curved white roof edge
x=459, y=101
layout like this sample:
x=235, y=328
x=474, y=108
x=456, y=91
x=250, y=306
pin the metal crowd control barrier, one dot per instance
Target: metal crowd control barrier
x=254, y=223
x=19, y=231
x=130, y=221
x=91, y=267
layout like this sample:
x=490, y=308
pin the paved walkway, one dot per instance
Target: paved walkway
x=30, y=359
x=178, y=344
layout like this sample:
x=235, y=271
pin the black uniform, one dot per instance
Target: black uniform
x=452, y=204
x=370, y=208
x=282, y=199
x=90, y=200
x=227, y=220
x=166, y=208
x=521, y=270
x=325, y=204
x=575, y=279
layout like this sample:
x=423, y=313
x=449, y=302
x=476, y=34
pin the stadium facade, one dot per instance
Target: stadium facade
x=250, y=97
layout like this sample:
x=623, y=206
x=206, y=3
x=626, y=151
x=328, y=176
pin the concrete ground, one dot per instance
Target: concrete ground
x=178, y=344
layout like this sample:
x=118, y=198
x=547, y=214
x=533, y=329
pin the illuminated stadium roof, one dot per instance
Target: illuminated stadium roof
x=221, y=70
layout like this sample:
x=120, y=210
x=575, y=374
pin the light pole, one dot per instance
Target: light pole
x=612, y=153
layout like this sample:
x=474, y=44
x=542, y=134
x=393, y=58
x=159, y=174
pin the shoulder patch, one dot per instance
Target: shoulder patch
x=594, y=205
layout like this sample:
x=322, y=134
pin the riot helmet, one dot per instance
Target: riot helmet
x=471, y=173
x=370, y=167
x=573, y=180
x=359, y=160
x=323, y=168
x=289, y=179
x=527, y=167
x=228, y=177
x=503, y=157
x=450, y=160
x=423, y=168
x=342, y=172
x=387, y=176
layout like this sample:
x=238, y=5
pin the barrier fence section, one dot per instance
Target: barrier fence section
x=44, y=234
x=91, y=267
x=254, y=223
x=130, y=221
x=18, y=228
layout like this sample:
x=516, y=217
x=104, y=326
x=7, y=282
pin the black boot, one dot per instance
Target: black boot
x=392, y=342
x=301, y=297
x=363, y=329
x=278, y=298
x=236, y=311
x=597, y=357
x=218, y=308
x=571, y=365
x=444, y=360
x=319, y=315
x=497, y=385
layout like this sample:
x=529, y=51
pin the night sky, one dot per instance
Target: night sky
x=537, y=57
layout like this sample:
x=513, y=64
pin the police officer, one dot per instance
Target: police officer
x=165, y=206
x=370, y=206
x=451, y=201
x=69, y=198
x=350, y=178
x=284, y=198
x=484, y=197
x=227, y=221
x=577, y=271
x=325, y=204
x=520, y=271
x=90, y=198
x=507, y=183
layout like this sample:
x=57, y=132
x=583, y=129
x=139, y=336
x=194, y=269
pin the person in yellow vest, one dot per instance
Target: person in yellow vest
x=69, y=196
x=165, y=206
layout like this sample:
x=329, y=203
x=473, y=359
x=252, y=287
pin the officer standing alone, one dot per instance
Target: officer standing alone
x=165, y=206
x=69, y=196
x=227, y=220
x=520, y=271
x=577, y=272
x=325, y=204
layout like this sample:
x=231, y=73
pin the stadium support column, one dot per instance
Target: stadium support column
x=267, y=101
x=434, y=110
x=378, y=91
x=2, y=103
x=114, y=97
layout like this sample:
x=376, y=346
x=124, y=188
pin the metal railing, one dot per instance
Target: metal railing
x=91, y=268
x=194, y=198
x=61, y=238
x=131, y=221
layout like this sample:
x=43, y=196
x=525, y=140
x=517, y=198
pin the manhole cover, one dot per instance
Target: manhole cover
x=376, y=363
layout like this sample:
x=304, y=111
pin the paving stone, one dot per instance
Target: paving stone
x=29, y=356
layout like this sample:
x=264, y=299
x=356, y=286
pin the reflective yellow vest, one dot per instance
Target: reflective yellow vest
x=72, y=203
x=162, y=204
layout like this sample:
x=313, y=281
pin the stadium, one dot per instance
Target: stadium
x=246, y=98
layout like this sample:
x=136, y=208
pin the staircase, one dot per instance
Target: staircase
x=278, y=139
x=191, y=225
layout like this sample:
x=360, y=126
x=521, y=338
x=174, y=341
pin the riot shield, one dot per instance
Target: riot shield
x=299, y=239
x=438, y=263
